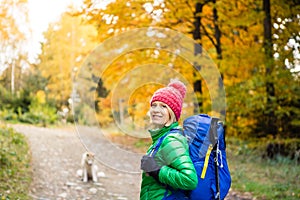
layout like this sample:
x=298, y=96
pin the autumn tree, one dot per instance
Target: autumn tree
x=14, y=33
x=269, y=62
x=281, y=22
x=67, y=42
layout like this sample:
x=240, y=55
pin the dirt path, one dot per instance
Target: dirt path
x=56, y=157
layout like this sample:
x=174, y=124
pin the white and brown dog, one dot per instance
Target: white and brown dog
x=89, y=169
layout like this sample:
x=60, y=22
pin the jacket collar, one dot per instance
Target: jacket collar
x=155, y=134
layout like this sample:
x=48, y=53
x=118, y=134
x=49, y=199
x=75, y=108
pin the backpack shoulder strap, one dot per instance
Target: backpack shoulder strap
x=155, y=149
x=160, y=140
x=177, y=129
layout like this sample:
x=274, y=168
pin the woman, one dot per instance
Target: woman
x=170, y=170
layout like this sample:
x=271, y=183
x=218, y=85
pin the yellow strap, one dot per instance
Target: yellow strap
x=206, y=161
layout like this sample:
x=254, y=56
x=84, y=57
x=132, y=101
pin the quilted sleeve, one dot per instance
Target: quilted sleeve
x=178, y=170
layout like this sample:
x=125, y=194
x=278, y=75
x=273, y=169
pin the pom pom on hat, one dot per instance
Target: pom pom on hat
x=179, y=86
x=172, y=95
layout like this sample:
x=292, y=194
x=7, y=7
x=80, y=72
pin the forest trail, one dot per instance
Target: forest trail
x=56, y=157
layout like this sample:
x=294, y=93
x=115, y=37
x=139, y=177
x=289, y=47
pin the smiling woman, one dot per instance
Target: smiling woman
x=167, y=159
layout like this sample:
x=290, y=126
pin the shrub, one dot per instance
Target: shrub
x=15, y=175
x=288, y=148
x=39, y=113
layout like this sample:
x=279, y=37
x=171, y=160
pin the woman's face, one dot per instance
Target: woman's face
x=159, y=114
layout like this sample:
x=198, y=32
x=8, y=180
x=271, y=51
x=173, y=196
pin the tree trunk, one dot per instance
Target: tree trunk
x=218, y=47
x=270, y=90
x=198, y=50
x=217, y=32
x=12, y=80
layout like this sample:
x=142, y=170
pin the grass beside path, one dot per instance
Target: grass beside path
x=15, y=171
x=264, y=178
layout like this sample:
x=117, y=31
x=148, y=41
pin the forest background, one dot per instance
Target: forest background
x=253, y=43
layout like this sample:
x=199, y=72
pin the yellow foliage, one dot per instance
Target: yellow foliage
x=41, y=97
x=139, y=103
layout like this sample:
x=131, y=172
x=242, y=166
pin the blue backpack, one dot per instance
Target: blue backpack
x=207, y=146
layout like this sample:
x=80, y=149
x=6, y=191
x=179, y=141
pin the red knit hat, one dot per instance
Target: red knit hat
x=172, y=95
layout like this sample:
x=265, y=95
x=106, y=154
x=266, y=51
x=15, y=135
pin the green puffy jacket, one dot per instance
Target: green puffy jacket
x=177, y=168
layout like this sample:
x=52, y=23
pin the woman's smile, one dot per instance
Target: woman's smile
x=156, y=116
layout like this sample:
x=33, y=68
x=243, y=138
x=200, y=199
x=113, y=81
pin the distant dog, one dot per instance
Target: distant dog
x=89, y=169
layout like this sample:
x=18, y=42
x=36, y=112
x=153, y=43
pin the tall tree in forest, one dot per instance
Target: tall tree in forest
x=269, y=62
x=13, y=36
x=198, y=51
x=283, y=74
x=67, y=42
x=218, y=47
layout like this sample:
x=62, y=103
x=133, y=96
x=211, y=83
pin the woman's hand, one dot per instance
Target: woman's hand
x=149, y=165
